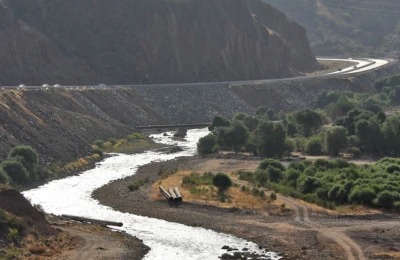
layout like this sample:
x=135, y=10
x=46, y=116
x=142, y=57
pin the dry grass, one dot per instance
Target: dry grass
x=395, y=255
x=238, y=198
x=125, y=146
x=355, y=210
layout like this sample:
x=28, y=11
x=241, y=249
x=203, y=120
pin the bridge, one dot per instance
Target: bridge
x=187, y=126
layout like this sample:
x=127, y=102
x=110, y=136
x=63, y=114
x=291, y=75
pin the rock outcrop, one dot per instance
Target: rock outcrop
x=153, y=41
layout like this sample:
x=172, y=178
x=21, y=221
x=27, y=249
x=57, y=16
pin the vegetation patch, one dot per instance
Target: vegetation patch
x=133, y=143
x=138, y=183
x=329, y=183
x=342, y=122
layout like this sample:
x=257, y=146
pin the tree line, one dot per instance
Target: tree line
x=334, y=182
x=340, y=121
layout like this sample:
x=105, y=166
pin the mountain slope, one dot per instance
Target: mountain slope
x=346, y=26
x=153, y=41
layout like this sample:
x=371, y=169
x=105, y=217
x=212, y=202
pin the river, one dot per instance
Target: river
x=166, y=240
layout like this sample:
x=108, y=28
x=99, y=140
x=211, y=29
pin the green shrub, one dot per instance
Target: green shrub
x=393, y=168
x=206, y=144
x=261, y=176
x=138, y=183
x=273, y=196
x=3, y=176
x=313, y=147
x=195, y=179
x=297, y=166
x=222, y=181
x=246, y=176
x=275, y=174
x=99, y=143
x=16, y=171
x=362, y=195
x=98, y=151
x=308, y=184
x=271, y=163
x=386, y=199
x=135, y=136
x=355, y=152
x=113, y=141
x=29, y=155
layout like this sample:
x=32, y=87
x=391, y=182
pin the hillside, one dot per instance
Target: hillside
x=154, y=41
x=61, y=124
x=346, y=26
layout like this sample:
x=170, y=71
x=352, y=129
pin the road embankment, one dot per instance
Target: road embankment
x=62, y=123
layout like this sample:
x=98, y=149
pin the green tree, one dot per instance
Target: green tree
x=308, y=184
x=222, y=181
x=206, y=144
x=336, y=140
x=16, y=171
x=275, y=174
x=261, y=176
x=313, y=147
x=265, y=111
x=219, y=121
x=291, y=129
x=363, y=195
x=309, y=121
x=3, y=176
x=387, y=198
x=236, y=136
x=29, y=155
x=266, y=163
x=391, y=133
x=270, y=139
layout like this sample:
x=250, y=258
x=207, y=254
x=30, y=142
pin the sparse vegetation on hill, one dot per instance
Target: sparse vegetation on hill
x=347, y=26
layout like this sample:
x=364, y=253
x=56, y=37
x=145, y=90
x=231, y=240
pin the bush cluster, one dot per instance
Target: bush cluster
x=21, y=167
x=138, y=183
x=332, y=182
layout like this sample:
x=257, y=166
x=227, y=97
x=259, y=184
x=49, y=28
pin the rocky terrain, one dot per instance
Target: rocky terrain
x=141, y=42
x=63, y=123
x=346, y=26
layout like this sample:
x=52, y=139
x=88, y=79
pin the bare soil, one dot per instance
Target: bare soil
x=305, y=231
x=103, y=244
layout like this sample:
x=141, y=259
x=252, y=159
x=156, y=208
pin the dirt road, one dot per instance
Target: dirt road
x=103, y=246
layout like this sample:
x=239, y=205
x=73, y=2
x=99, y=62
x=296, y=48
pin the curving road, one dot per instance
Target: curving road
x=363, y=64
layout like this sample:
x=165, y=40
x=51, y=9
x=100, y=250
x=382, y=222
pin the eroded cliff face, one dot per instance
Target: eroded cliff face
x=152, y=41
x=27, y=56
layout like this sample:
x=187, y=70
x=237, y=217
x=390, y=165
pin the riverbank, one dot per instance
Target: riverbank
x=327, y=236
x=233, y=221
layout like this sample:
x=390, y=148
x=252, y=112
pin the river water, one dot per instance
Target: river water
x=166, y=240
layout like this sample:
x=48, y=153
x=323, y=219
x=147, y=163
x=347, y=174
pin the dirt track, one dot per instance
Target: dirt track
x=100, y=246
x=308, y=233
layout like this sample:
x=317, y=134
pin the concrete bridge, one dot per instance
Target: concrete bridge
x=187, y=126
x=181, y=130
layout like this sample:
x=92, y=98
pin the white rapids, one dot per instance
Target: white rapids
x=166, y=240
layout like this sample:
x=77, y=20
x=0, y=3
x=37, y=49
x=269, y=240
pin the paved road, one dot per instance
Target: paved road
x=364, y=64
